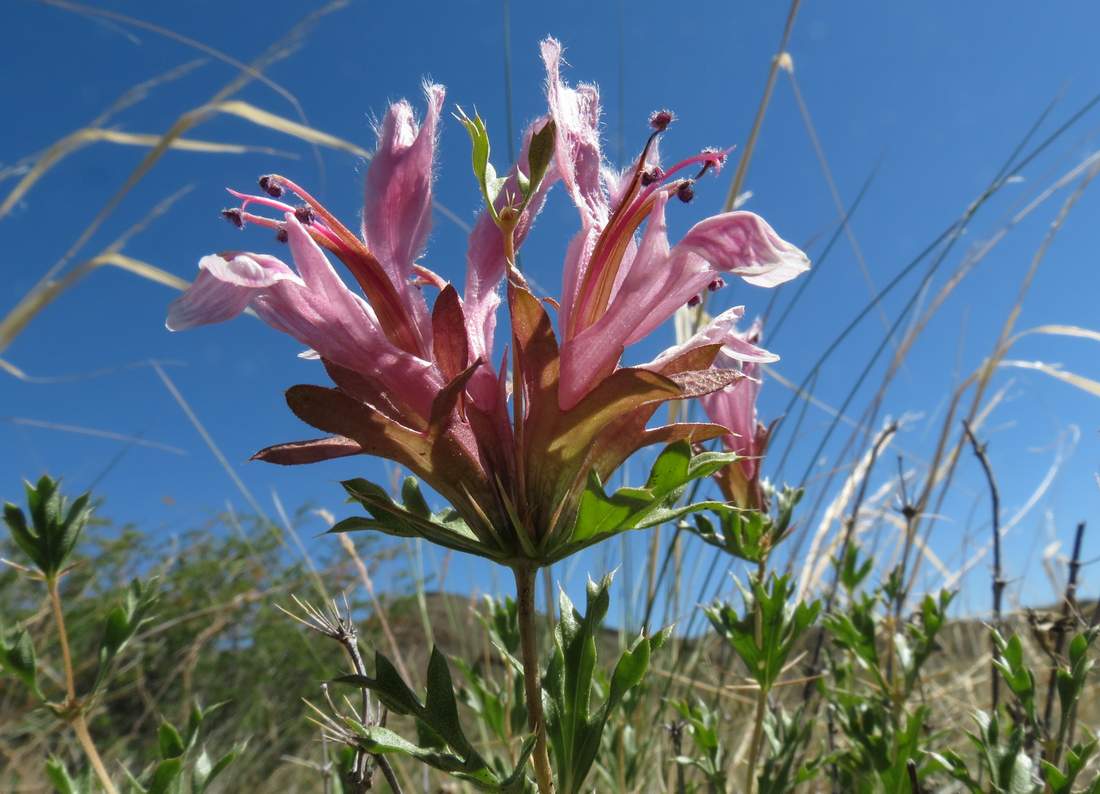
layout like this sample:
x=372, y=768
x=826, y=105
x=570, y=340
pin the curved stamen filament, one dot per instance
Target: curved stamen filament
x=331, y=234
x=595, y=292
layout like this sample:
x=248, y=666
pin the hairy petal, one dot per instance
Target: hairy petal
x=576, y=112
x=397, y=208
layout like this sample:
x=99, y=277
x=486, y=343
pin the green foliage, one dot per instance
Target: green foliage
x=788, y=737
x=539, y=154
x=184, y=764
x=122, y=622
x=574, y=724
x=601, y=516
x=764, y=633
x=442, y=742
x=54, y=528
x=17, y=658
x=750, y=534
x=709, y=758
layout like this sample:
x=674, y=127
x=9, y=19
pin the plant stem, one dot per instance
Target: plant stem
x=72, y=706
x=63, y=638
x=762, y=695
x=525, y=604
x=80, y=727
x=757, y=739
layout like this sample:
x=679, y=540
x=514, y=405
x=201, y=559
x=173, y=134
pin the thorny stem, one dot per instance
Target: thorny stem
x=998, y=577
x=72, y=706
x=525, y=607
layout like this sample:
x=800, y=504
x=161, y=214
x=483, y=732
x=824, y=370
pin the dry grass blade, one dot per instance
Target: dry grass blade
x=44, y=293
x=92, y=135
x=94, y=432
x=10, y=326
x=272, y=121
x=1055, y=371
x=15, y=321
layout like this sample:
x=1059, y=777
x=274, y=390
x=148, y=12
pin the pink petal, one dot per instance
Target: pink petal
x=744, y=244
x=576, y=112
x=397, y=208
x=224, y=288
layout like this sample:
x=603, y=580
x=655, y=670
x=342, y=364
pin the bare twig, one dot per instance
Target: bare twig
x=1069, y=608
x=998, y=576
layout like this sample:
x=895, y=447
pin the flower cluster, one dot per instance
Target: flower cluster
x=519, y=450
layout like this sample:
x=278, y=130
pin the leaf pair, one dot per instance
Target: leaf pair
x=573, y=726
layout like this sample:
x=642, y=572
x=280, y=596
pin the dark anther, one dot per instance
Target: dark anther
x=270, y=185
x=717, y=284
x=686, y=191
x=651, y=175
x=304, y=213
x=695, y=300
x=661, y=119
x=233, y=215
x=281, y=235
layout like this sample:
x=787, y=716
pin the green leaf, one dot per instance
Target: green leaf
x=442, y=743
x=122, y=623
x=600, y=516
x=17, y=657
x=409, y=521
x=573, y=727
x=539, y=153
x=169, y=741
x=59, y=777
x=54, y=527
x=204, y=773
x=166, y=776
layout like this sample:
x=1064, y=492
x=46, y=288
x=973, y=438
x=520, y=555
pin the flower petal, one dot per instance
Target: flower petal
x=576, y=112
x=397, y=208
x=744, y=244
x=224, y=288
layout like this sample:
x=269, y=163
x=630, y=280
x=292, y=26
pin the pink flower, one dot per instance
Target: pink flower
x=734, y=407
x=618, y=289
x=515, y=456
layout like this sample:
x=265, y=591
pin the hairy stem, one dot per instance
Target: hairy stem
x=80, y=727
x=525, y=603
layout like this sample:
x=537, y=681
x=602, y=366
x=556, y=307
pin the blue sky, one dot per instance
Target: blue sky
x=935, y=95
